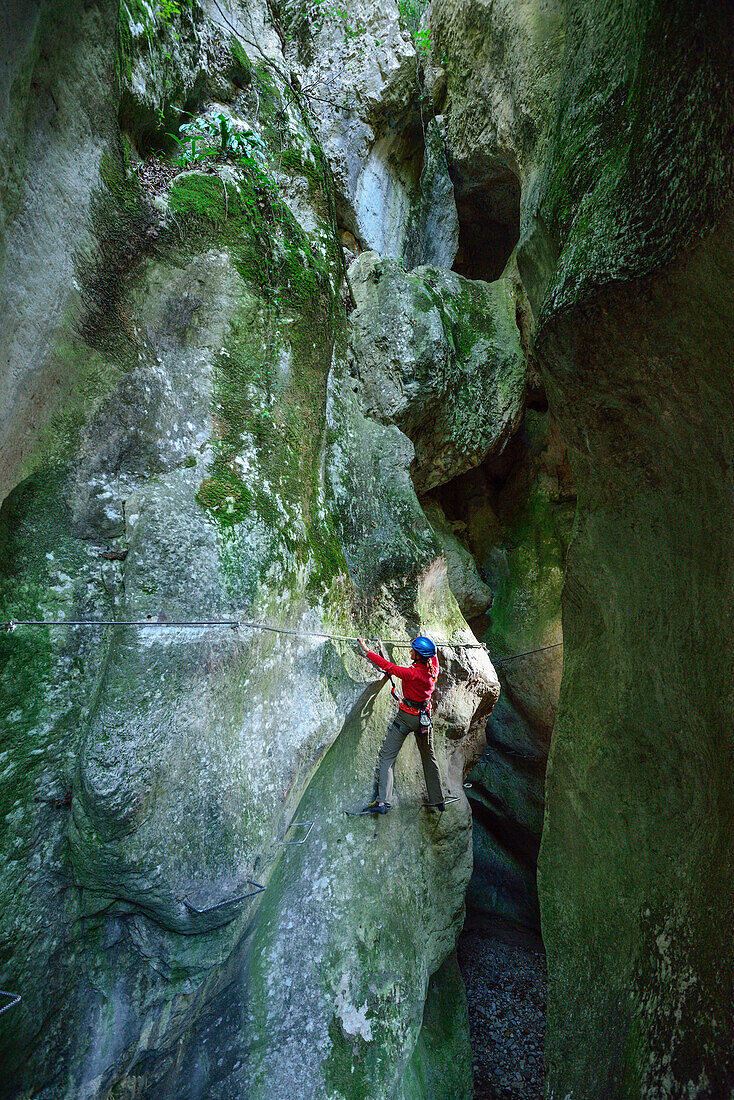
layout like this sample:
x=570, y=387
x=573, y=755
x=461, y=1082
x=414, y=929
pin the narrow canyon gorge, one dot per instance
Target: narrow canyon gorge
x=382, y=320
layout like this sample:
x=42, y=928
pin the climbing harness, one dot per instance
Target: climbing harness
x=15, y=999
x=410, y=706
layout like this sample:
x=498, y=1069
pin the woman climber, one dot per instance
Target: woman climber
x=414, y=716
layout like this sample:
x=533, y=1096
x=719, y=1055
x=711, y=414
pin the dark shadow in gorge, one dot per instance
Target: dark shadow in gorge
x=489, y=223
x=513, y=514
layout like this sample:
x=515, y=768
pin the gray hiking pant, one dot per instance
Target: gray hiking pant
x=401, y=726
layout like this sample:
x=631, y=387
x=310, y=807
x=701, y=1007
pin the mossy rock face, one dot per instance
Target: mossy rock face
x=625, y=253
x=633, y=330
x=514, y=516
x=628, y=733
x=208, y=458
x=439, y=356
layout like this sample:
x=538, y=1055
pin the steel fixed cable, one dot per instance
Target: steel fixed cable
x=527, y=653
x=15, y=999
x=235, y=624
x=10, y=625
x=228, y=901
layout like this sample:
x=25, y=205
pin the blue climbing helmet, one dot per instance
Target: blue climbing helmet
x=424, y=646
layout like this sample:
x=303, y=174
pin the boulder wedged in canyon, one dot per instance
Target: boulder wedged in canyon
x=440, y=356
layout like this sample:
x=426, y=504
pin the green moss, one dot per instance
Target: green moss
x=120, y=222
x=310, y=165
x=464, y=316
x=225, y=495
x=33, y=518
x=260, y=403
x=533, y=554
x=202, y=196
x=123, y=60
x=241, y=71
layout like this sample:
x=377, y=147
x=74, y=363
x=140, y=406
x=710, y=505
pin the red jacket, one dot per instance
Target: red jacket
x=418, y=679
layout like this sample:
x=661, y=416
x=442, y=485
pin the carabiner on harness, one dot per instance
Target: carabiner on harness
x=394, y=691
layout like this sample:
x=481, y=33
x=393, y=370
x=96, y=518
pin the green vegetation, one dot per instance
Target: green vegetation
x=168, y=8
x=260, y=402
x=220, y=140
x=411, y=13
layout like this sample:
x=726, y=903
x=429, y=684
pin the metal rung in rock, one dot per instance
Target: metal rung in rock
x=432, y=805
x=229, y=901
x=15, y=999
x=299, y=825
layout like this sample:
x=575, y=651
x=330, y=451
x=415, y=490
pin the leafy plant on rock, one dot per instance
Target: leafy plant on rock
x=411, y=13
x=216, y=137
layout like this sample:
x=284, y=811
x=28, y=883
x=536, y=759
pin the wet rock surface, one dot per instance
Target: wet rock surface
x=218, y=461
x=505, y=980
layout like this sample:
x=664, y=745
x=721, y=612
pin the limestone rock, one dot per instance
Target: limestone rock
x=357, y=67
x=402, y=214
x=212, y=458
x=433, y=236
x=55, y=86
x=501, y=65
x=622, y=147
x=441, y=358
x=471, y=593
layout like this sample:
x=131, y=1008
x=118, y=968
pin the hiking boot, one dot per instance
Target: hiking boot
x=376, y=808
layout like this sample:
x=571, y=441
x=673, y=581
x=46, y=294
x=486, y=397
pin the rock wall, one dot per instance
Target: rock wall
x=512, y=516
x=503, y=522
x=187, y=432
x=623, y=150
x=208, y=453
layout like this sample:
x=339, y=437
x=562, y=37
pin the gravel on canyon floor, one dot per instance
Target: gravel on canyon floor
x=505, y=979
